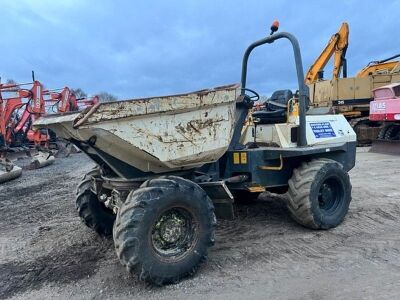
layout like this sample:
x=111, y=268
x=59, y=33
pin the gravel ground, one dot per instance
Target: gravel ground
x=47, y=252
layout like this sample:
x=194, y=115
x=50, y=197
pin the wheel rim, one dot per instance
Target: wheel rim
x=174, y=233
x=330, y=195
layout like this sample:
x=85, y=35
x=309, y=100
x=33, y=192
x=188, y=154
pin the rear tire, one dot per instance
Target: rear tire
x=163, y=230
x=319, y=194
x=91, y=211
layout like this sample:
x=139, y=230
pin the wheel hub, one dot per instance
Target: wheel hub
x=173, y=233
x=330, y=194
x=326, y=196
x=171, y=230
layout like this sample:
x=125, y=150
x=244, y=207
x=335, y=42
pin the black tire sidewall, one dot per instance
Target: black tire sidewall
x=321, y=218
x=151, y=260
x=93, y=213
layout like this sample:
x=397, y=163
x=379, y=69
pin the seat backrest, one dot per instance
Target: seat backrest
x=280, y=96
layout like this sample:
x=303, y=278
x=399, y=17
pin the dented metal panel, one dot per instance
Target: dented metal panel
x=166, y=104
x=157, y=134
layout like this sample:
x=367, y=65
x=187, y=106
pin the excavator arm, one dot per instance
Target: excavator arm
x=86, y=102
x=337, y=45
x=385, y=66
x=34, y=107
x=64, y=99
x=8, y=106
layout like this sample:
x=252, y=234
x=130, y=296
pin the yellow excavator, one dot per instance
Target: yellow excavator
x=349, y=96
x=386, y=66
x=336, y=46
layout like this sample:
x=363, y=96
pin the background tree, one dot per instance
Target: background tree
x=79, y=93
x=106, y=97
x=10, y=81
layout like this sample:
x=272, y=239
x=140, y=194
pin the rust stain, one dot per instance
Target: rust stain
x=194, y=127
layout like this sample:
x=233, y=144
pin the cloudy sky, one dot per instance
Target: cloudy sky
x=148, y=48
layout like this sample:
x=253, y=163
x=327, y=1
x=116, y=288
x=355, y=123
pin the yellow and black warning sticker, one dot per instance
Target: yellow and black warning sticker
x=239, y=158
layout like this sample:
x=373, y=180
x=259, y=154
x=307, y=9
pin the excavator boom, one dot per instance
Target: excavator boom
x=336, y=46
x=34, y=107
x=64, y=99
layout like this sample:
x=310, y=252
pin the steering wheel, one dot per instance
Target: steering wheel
x=255, y=96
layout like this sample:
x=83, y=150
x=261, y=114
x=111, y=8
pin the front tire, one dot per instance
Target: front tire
x=163, y=230
x=319, y=194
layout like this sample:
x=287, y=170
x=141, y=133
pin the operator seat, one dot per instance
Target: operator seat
x=275, y=108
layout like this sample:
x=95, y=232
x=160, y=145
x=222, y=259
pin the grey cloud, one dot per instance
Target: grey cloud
x=144, y=48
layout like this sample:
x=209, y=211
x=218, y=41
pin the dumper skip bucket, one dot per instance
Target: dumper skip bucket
x=158, y=134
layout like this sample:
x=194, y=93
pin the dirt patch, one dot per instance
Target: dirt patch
x=69, y=265
x=47, y=252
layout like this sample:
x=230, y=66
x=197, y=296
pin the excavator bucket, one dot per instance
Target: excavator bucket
x=8, y=171
x=30, y=159
x=41, y=159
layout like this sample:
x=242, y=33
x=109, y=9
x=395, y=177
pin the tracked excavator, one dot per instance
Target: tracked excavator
x=337, y=47
x=61, y=100
x=16, y=131
x=349, y=96
x=64, y=100
x=87, y=102
x=385, y=108
x=385, y=67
